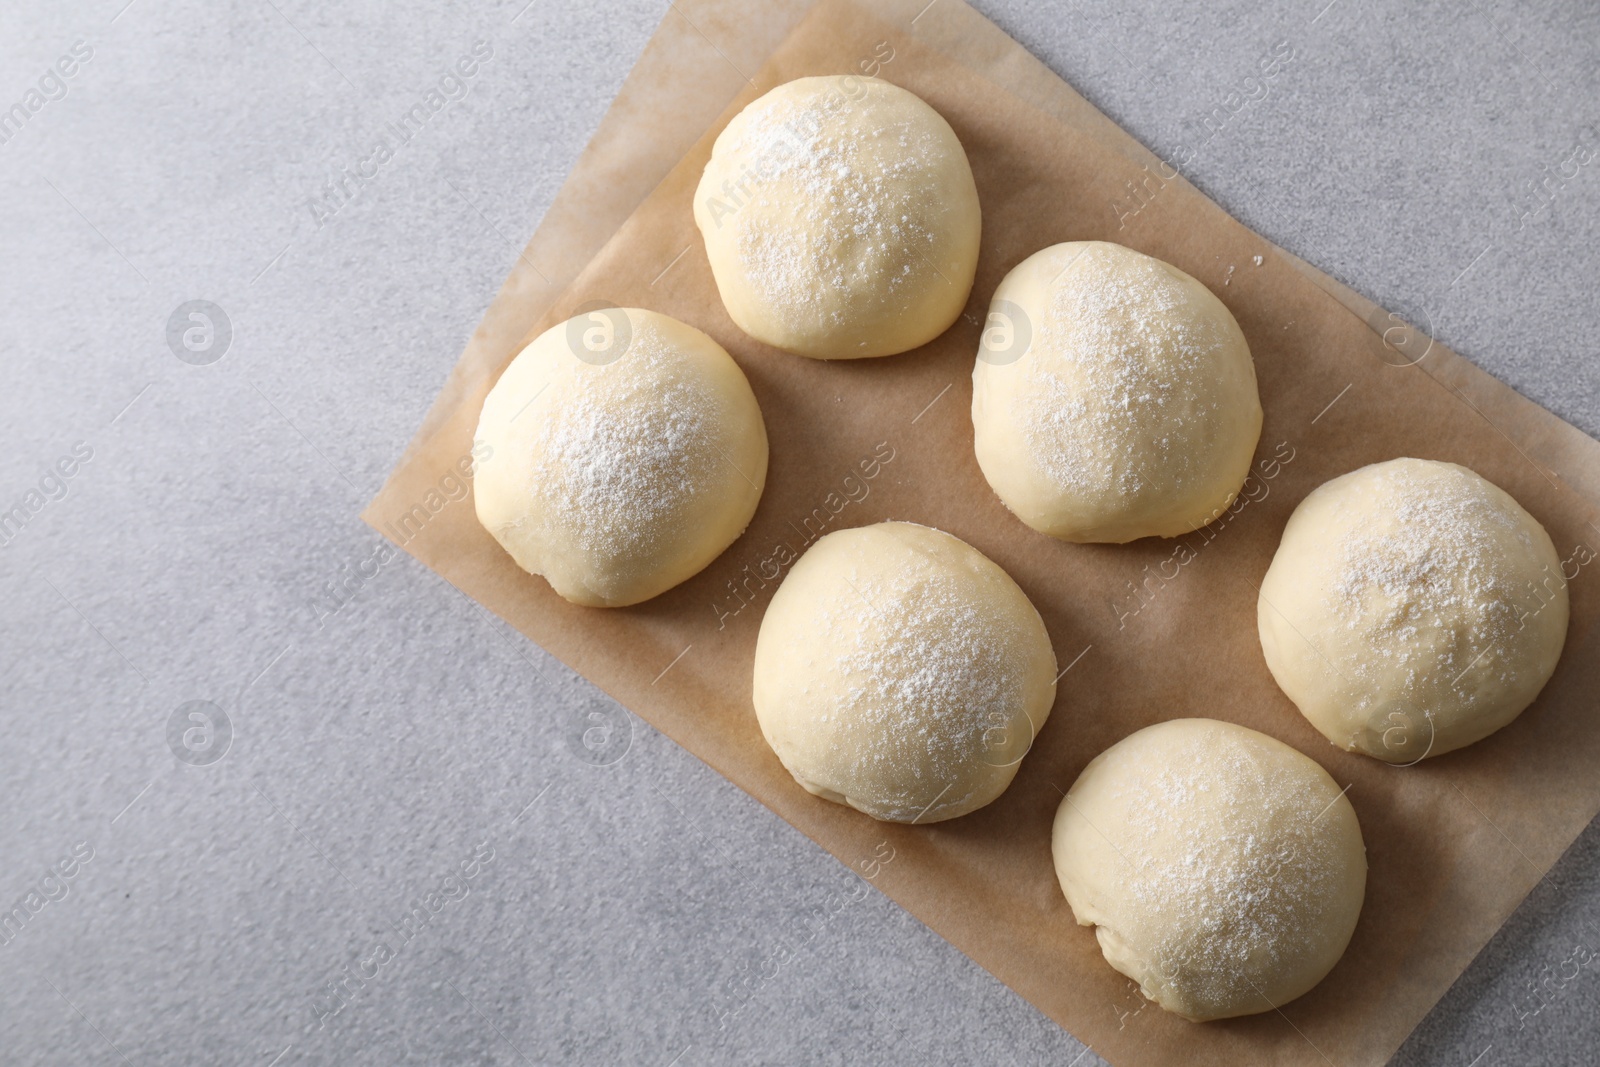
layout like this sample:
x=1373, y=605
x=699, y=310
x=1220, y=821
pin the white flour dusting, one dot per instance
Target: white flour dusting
x=1119, y=358
x=1255, y=878
x=1431, y=588
x=853, y=195
x=628, y=452
x=931, y=672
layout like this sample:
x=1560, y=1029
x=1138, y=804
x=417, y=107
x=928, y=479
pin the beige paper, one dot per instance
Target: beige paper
x=1454, y=844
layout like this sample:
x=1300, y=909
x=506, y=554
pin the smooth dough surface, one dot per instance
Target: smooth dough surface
x=1412, y=607
x=1114, y=396
x=840, y=218
x=900, y=671
x=1222, y=870
x=625, y=451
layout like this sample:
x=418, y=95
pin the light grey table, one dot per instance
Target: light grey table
x=383, y=745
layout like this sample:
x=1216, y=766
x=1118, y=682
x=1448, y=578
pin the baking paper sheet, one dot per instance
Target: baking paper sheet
x=1146, y=632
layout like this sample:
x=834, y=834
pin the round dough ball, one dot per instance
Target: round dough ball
x=902, y=672
x=840, y=219
x=1114, y=397
x=1222, y=870
x=620, y=453
x=1412, y=608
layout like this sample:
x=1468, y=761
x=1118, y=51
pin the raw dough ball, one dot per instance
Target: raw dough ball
x=625, y=452
x=902, y=672
x=1222, y=870
x=1413, y=607
x=1113, y=398
x=840, y=218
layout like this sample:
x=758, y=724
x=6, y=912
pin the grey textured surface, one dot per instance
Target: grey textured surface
x=630, y=911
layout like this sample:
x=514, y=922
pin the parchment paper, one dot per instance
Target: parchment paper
x=1453, y=844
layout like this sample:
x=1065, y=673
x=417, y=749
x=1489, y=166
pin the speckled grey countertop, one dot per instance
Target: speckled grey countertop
x=389, y=772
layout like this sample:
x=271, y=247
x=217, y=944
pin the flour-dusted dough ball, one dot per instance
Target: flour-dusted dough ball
x=1222, y=870
x=1412, y=608
x=625, y=451
x=840, y=218
x=1113, y=398
x=900, y=671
